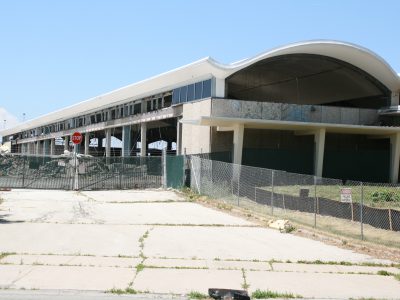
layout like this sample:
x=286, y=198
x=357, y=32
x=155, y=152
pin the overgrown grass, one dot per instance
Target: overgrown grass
x=262, y=294
x=196, y=295
x=397, y=276
x=121, y=292
x=375, y=196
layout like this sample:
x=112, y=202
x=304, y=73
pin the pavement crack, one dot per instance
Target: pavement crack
x=140, y=266
x=20, y=276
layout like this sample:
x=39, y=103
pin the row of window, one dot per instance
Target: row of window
x=191, y=92
x=113, y=113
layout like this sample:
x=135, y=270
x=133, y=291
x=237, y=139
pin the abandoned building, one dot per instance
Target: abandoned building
x=326, y=108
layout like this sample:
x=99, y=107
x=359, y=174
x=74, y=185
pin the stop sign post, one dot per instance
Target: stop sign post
x=76, y=138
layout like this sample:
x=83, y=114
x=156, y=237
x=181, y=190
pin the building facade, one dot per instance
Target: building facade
x=326, y=108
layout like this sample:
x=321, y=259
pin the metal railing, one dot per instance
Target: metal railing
x=368, y=211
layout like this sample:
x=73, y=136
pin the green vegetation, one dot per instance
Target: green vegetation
x=382, y=196
x=120, y=291
x=139, y=267
x=384, y=273
x=245, y=285
x=374, y=196
x=196, y=295
x=261, y=294
x=4, y=254
x=397, y=276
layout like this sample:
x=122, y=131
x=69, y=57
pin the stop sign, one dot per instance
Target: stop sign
x=76, y=138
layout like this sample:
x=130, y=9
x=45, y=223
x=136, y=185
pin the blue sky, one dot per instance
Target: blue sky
x=57, y=53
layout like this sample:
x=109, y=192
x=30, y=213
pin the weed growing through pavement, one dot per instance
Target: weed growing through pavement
x=139, y=267
x=128, y=290
x=5, y=254
x=384, y=273
x=197, y=295
x=245, y=285
x=262, y=294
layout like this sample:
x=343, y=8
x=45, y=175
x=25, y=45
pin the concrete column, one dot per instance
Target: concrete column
x=219, y=87
x=394, y=101
x=143, y=139
x=37, y=151
x=108, y=142
x=394, y=157
x=144, y=106
x=52, y=147
x=178, y=137
x=87, y=142
x=238, y=131
x=319, y=139
x=126, y=141
x=66, y=143
x=46, y=147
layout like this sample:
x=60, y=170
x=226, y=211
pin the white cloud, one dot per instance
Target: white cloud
x=11, y=120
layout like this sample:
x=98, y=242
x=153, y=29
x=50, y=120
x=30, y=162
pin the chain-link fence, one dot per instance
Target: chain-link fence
x=351, y=209
x=72, y=172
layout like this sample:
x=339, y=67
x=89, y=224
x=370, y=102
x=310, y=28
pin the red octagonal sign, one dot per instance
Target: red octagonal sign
x=76, y=138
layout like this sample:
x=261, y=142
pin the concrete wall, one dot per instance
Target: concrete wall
x=293, y=112
x=196, y=139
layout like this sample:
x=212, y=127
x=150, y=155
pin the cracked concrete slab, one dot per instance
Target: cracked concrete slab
x=78, y=278
x=98, y=261
x=36, y=259
x=321, y=268
x=76, y=208
x=322, y=285
x=241, y=243
x=70, y=260
x=71, y=239
x=180, y=281
x=9, y=274
x=94, y=248
x=176, y=263
x=238, y=265
x=165, y=213
x=134, y=196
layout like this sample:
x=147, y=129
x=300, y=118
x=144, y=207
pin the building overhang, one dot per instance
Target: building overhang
x=225, y=124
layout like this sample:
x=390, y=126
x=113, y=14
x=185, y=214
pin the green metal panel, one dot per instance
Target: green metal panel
x=363, y=165
x=175, y=171
x=290, y=160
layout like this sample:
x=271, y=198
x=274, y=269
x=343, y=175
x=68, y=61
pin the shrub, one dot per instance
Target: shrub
x=385, y=196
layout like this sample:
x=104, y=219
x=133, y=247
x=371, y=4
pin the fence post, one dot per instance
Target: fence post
x=23, y=172
x=238, y=191
x=390, y=219
x=76, y=184
x=361, y=211
x=164, y=166
x=119, y=172
x=272, y=192
x=315, y=201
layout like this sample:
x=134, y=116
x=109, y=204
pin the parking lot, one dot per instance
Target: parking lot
x=159, y=242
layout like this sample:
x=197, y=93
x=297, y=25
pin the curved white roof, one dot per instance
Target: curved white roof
x=353, y=54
